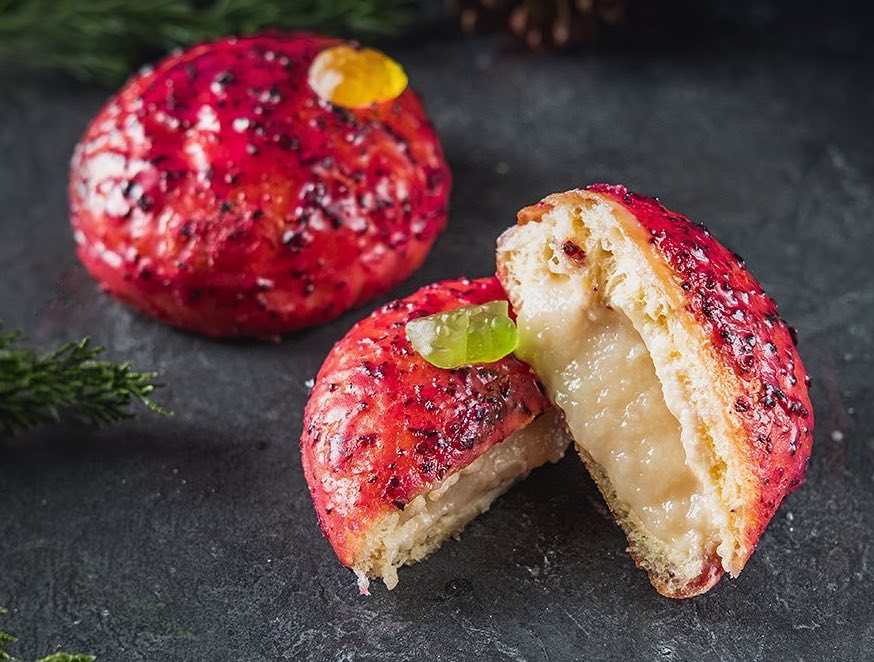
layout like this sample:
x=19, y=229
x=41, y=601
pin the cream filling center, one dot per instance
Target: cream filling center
x=597, y=369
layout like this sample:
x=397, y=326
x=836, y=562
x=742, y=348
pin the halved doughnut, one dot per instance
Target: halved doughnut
x=679, y=381
x=398, y=454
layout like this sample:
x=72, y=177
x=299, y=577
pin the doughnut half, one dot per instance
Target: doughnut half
x=399, y=454
x=679, y=380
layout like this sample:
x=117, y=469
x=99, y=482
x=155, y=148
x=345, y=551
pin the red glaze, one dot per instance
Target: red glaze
x=218, y=193
x=749, y=337
x=383, y=425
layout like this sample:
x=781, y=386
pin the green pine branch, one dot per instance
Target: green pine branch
x=6, y=639
x=106, y=40
x=38, y=388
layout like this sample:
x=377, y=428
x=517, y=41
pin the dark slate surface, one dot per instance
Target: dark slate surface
x=194, y=538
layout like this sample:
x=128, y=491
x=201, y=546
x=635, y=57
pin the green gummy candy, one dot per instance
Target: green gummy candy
x=471, y=334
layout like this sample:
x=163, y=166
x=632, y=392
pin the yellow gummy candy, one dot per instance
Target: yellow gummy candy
x=356, y=77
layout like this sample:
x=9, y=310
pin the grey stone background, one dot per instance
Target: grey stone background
x=194, y=538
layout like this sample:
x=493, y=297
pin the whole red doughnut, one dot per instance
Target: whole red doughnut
x=219, y=193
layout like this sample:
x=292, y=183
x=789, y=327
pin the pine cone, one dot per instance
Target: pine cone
x=542, y=24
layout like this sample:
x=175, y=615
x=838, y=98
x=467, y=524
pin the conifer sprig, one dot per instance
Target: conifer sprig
x=38, y=388
x=106, y=40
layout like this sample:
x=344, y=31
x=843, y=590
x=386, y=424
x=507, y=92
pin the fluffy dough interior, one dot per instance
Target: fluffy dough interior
x=586, y=331
x=412, y=534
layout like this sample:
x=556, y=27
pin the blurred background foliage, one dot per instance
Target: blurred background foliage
x=106, y=40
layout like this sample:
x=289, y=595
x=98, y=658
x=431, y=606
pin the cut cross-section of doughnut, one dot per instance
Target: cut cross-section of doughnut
x=679, y=381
